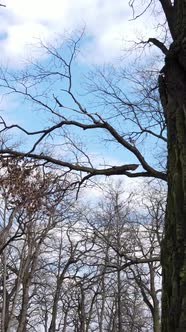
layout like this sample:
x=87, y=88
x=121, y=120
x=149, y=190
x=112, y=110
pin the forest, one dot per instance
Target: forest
x=68, y=267
x=93, y=167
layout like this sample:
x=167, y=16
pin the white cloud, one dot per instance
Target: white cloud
x=19, y=37
x=107, y=24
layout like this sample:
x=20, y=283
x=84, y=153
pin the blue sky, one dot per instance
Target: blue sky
x=108, y=27
x=108, y=24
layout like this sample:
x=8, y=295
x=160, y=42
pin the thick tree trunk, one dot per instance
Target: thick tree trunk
x=173, y=95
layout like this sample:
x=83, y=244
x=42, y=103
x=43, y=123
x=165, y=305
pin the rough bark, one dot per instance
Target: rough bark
x=173, y=97
x=173, y=94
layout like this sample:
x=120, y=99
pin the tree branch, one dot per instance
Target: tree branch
x=115, y=170
x=159, y=44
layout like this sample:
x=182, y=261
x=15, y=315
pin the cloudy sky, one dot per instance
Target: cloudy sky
x=107, y=23
x=108, y=26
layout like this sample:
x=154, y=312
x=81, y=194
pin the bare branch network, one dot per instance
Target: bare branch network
x=144, y=113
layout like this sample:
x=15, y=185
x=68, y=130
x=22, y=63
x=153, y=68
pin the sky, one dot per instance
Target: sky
x=107, y=24
x=109, y=29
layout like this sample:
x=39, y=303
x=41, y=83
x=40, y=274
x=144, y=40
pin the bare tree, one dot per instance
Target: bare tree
x=172, y=86
x=79, y=270
x=133, y=247
x=62, y=69
x=32, y=205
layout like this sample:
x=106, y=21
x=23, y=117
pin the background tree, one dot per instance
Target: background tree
x=74, y=269
x=172, y=86
x=132, y=263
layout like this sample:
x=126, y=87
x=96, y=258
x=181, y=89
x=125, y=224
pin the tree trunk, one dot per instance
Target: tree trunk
x=24, y=307
x=173, y=96
x=156, y=319
x=60, y=279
